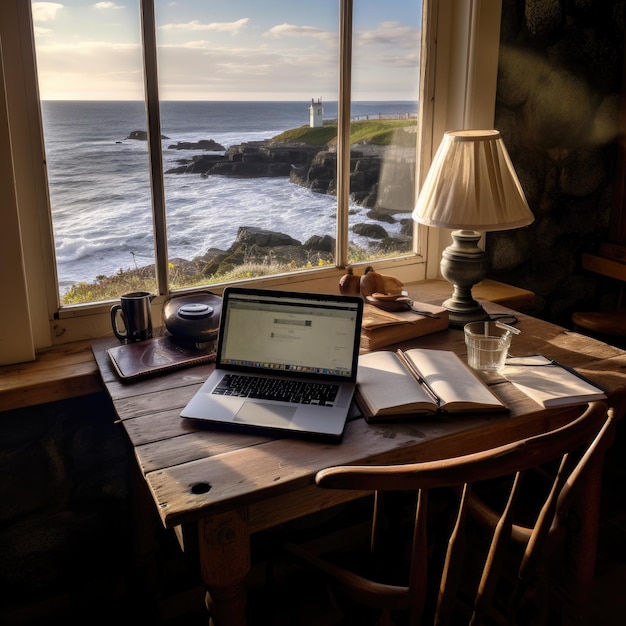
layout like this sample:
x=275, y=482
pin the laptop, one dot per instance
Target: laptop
x=285, y=361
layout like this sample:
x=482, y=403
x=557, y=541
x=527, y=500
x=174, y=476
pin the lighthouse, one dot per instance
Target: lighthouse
x=315, y=114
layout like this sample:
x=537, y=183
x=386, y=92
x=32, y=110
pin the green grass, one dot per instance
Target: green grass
x=125, y=281
x=306, y=134
x=376, y=132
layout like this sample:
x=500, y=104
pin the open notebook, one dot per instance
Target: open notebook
x=284, y=361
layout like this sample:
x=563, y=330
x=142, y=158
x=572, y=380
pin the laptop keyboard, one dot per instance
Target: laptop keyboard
x=322, y=394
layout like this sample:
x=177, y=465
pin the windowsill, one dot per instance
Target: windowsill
x=69, y=370
x=58, y=373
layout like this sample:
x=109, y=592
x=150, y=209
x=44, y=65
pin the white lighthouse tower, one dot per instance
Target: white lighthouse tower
x=315, y=114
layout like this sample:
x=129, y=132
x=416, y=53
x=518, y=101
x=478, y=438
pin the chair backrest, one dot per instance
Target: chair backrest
x=576, y=450
x=610, y=262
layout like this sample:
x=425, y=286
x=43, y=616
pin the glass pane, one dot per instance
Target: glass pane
x=385, y=87
x=233, y=76
x=89, y=62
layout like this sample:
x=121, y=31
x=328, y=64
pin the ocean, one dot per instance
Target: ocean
x=100, y=187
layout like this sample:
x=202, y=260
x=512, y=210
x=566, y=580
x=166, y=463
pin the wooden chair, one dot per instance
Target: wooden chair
x=611, y=262
x=433, y=589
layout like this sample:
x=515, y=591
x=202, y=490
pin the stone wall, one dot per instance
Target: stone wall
x=559, y=80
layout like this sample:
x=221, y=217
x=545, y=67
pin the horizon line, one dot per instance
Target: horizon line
x=212, y=100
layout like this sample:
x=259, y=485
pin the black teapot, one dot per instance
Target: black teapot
x=193, y=319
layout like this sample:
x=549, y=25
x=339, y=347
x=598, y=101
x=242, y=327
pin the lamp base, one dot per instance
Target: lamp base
x=462, y=310
x=463, y=264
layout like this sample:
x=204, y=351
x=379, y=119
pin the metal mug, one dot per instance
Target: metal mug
x=134, y=309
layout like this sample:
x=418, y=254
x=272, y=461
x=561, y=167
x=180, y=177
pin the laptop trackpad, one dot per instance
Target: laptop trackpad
x=267, y=414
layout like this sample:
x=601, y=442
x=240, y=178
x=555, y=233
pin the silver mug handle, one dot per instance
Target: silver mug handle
x=114, y=309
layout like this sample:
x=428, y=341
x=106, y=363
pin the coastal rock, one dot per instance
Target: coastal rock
x=391, y=245
x=212, y=261
x=323, y=243
x=200, y=164
x=315, y=167
x=264, y=247
x=142, y=135
x=320, y=174
x=253, y=236
x=203, y=144
x=381, y=216
x=365, y=169
x=293, y=154
x=250, y=169
x=255, y=159
x=373, y=231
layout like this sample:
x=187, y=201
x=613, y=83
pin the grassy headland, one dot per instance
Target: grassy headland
x=373, y=132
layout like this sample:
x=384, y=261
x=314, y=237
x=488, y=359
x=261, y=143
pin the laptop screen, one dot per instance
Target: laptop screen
x=299, y=334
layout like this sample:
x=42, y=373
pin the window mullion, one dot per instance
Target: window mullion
x=343, y=131
x=153, y=120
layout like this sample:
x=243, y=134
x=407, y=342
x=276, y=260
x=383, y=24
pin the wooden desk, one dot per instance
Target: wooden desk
x=225, y=486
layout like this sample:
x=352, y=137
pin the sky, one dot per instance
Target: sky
x=226, y=49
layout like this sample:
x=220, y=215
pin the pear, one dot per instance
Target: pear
x=369, y=282
x=349, y=283
x=373, y=282
x=391, y=285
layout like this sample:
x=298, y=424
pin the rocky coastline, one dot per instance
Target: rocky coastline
x=313, y=167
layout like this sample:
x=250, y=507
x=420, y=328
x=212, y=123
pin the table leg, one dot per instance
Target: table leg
x=145, y=532
x=224, y=547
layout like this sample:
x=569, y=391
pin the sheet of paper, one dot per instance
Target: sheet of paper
x=450, y=378
x=384, y=382
x=549, y=383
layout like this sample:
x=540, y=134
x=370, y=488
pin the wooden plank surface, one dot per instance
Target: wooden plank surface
x=59, y=373
x=251, y=474
x=487, y=290
x=193, y=469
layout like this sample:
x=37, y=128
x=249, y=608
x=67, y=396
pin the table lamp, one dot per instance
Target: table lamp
x=471, y=186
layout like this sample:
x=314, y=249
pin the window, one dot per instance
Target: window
x=459, y=35
x=245, y=98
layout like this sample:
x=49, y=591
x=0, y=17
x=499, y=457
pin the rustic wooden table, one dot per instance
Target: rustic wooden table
x=224, y=486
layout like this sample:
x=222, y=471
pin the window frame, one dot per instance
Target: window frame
x=457, y=90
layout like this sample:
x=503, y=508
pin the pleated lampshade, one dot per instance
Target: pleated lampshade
x=472, y=184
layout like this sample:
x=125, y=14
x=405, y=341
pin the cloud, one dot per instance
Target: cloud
x=226, y=27
x=45, y=11
x=216, y=72
x=90, y=70
x=290, y=30
x=391, y=34
x=107, y=5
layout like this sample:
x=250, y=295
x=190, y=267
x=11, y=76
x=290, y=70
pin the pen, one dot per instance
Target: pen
x=420, y=379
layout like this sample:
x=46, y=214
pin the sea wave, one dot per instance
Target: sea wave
x=100, y=188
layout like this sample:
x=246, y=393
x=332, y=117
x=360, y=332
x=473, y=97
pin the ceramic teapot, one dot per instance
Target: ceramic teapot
x=193, y=319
